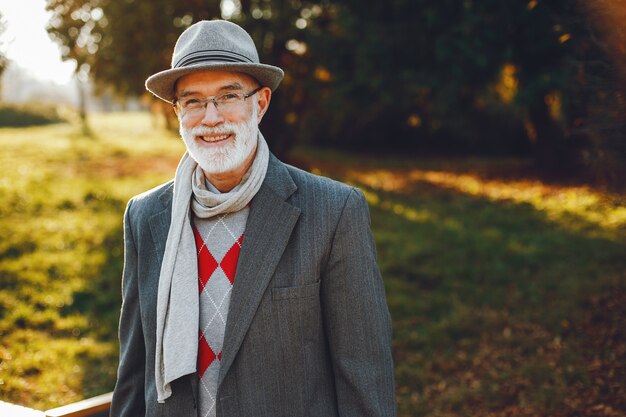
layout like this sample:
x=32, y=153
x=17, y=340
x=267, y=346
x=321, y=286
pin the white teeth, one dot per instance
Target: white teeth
x=213, y=138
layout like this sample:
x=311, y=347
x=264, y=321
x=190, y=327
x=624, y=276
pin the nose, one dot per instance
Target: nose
x=211, y=117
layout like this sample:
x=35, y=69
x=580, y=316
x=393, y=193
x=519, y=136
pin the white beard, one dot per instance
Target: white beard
x=229, y=156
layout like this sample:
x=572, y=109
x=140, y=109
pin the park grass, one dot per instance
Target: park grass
x=63, y=195
x=508, y=293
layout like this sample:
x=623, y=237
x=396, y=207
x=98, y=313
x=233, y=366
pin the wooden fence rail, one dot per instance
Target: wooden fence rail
x=92, y=407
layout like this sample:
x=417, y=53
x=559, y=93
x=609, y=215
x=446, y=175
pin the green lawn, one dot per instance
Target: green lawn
x=63, y=197
x=508, y=294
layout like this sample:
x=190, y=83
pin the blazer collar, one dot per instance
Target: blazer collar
x=166, y=195
x=278, y=179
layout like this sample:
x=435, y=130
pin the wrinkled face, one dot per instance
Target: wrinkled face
x=220, y=139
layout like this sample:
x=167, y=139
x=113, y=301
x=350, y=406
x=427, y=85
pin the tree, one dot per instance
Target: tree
x=473, y=76
x=424, y=67
x=597, y=97
x=122, y=43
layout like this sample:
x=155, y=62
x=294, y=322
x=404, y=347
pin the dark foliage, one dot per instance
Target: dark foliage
x=28, y=115
x=515, y=78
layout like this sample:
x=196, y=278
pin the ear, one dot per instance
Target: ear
x=264, y=96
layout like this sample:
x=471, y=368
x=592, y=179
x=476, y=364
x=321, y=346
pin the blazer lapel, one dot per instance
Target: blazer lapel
x=269, y=226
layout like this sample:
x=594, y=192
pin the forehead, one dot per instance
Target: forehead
x=208, y=81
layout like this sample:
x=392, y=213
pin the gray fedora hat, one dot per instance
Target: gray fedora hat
x=213, y=45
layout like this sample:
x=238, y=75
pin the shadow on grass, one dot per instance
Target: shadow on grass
x=60, y=303
x=490, y=302
x=99, y=301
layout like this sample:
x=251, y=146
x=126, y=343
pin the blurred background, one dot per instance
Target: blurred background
x=489, y=138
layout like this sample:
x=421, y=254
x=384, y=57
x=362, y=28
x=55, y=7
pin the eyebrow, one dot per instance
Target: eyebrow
x=229, y=87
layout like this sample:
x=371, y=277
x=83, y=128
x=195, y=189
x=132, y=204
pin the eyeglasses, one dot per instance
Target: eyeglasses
x=224, y=103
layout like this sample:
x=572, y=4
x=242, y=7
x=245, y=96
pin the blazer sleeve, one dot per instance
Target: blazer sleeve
x=128, y=396
x=356, y=317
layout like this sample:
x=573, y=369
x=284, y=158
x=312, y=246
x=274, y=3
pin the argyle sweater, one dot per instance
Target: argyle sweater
x=218, y=242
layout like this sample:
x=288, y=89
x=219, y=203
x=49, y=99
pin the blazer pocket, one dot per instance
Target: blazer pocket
x=304, y=291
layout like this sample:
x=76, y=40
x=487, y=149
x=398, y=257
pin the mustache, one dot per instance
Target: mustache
x=206, y=130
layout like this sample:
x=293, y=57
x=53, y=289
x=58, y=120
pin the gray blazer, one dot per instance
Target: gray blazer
x=308, y=330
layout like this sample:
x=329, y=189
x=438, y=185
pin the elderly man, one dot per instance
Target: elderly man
x=250, y=287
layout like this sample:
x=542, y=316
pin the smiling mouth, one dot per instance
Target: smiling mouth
x=214, y=138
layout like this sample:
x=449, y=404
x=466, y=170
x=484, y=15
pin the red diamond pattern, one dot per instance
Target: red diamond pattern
x=206, y=262
x=229, y=263
x=206, y=356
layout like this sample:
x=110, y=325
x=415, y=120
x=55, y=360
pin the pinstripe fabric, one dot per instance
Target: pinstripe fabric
x=308, y=331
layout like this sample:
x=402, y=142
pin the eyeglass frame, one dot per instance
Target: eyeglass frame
x=205, y=100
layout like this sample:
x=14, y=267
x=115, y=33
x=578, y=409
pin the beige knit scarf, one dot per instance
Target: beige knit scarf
x=177, y=301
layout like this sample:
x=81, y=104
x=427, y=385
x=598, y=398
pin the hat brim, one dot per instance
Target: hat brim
x=162, y=83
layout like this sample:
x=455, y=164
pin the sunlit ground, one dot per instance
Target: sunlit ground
x=559, y=203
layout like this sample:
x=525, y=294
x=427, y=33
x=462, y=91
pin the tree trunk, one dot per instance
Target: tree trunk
x=549, y=142
x=82, y=108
